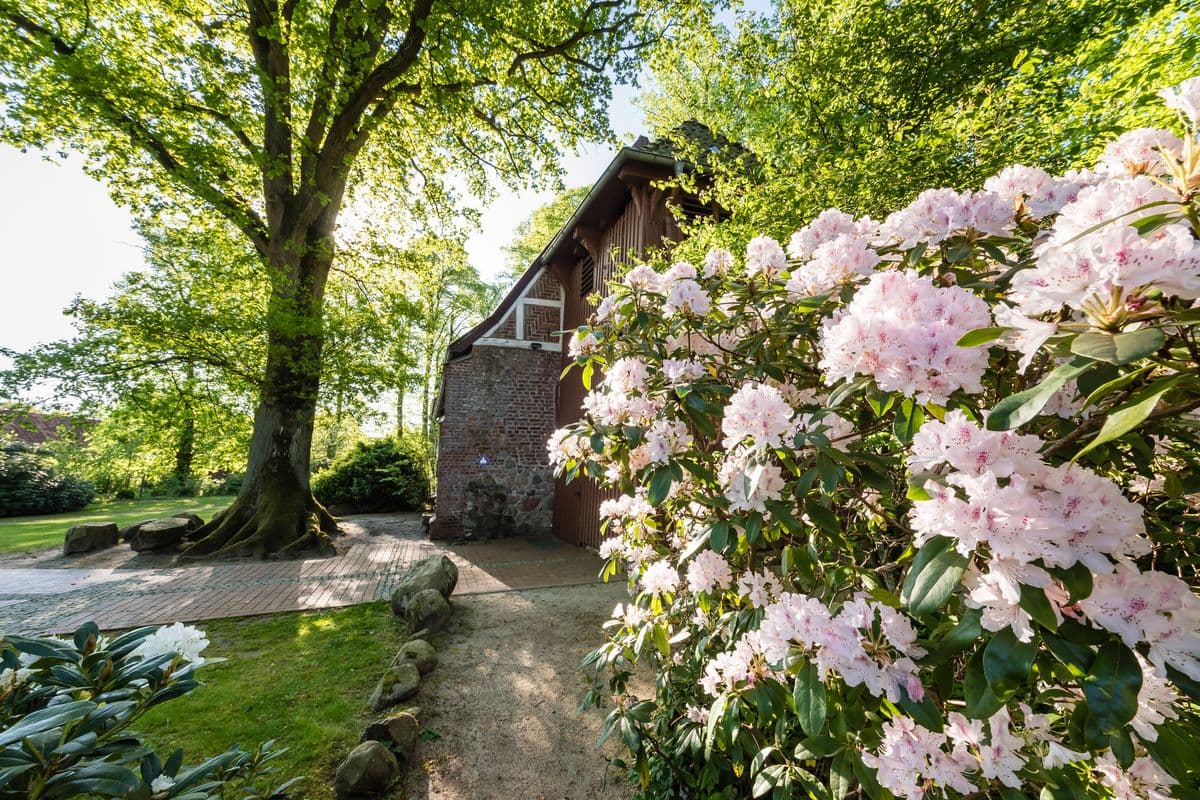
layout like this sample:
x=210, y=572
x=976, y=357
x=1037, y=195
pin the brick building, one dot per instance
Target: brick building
x=501, y=396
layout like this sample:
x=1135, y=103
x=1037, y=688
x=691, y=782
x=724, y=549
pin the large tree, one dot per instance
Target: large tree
x=860, y=104
x=268, y=112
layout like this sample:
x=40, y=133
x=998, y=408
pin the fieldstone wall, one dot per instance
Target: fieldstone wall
x=494, y=477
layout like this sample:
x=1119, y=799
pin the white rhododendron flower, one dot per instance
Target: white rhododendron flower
x=659, y=578
x=1144, y=150
x=182, y=640
x=708, y=571
x=1184, y=98
x=765, y=257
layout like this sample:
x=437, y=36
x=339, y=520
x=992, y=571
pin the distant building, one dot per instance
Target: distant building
x=33, y=428
x=501, y=396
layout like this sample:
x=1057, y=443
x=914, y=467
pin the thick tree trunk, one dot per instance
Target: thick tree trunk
x=276, y=514
x=185, y=447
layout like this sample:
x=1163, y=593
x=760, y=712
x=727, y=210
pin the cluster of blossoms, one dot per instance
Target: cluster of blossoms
x=1106, y=273
x=938, y=214
x=1020, y=516
x=866, y=643
x=1017, y=512
x=184, y=641
x=911, y=756
x=902, y=330
x=763, y=523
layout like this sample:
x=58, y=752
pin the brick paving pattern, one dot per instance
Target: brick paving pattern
x=57, y=600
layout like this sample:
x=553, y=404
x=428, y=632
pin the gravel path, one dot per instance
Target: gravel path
x=504, y=700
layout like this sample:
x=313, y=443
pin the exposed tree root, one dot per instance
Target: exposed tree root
x=266, y=529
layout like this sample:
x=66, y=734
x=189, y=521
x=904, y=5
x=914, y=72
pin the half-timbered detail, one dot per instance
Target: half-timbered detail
x=501, y=396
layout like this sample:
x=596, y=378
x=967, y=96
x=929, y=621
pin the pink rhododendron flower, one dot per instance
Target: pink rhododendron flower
x=903, y=331
x=833, y=263
x=828, y=225
x=759, y=413
x=708, y=571
x=765, y=257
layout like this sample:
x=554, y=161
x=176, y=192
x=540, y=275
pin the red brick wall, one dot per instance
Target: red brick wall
x=499, y=402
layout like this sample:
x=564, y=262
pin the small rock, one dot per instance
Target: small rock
x=428, y=610
x=85, y=538
x=401, y=731
x=434, y=572
x=368, y=771
x=400, y=682
x=159, y=533
x=419, y=653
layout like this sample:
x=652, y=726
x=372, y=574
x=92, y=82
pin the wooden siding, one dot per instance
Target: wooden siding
x=645, y=223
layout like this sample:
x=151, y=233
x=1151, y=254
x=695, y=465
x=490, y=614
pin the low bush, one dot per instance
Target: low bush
x=30, y=485
x=379, y=475
x=222, y=484
x=66, y=708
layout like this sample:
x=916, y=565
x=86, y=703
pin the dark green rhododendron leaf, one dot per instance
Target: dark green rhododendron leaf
x=1015, y=410
x=809, y=696
x=936, y=571
x=1118, y=348
x=660, y=486
x=1007, y=662
x=909, y=419
x=980, y=701
x=1111, y=689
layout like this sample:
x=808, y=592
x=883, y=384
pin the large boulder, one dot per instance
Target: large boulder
x=419, y=653
x=368, y=771
x=194, y=523
x=429, y=611
x=399, y=731
x=434, y=572
x=399, y=683
x=129, y=530
x=159, y=534
x=86, y=538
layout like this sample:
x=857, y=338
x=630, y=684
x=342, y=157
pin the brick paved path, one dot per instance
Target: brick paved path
x=58, y=600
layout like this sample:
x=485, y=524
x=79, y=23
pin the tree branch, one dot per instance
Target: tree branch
x=1095, y=422
x=373, y=87
x=266, y=40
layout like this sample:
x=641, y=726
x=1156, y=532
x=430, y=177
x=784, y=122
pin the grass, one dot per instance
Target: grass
x=302, y=679
x=19, y=534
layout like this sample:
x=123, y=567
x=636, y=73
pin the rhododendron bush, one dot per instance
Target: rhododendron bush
x=908, y=507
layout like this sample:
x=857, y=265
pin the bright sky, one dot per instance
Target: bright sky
x=64, y=236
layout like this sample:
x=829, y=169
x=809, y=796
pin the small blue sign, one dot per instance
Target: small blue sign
x=484, y=461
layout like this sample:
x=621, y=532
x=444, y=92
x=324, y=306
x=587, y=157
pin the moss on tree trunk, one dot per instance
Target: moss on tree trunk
x=275, y=514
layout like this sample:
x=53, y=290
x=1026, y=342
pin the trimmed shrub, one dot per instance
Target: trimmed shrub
x=30, y=485
x=379, y=475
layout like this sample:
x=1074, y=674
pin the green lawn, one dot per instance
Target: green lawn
x=302, y=679
x=33, y=533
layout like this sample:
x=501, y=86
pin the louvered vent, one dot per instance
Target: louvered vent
x=587, y=276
